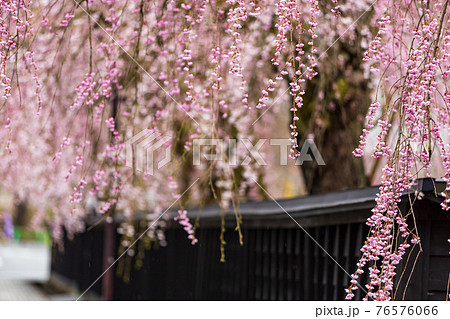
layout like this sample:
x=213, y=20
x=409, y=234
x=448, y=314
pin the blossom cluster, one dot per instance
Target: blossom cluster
x=184, y=221
x=409, y=56
x=78, y=82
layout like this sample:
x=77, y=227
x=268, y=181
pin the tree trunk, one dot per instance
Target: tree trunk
x=336, y=103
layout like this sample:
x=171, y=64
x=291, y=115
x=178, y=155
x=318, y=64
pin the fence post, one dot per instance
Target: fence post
x=108, y=259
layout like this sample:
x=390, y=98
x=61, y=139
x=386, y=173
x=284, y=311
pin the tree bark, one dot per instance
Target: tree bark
x=336, y=103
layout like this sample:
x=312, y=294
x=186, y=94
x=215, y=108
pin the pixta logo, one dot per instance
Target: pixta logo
x=149, y=150
x=227, y=151
x=142, y=149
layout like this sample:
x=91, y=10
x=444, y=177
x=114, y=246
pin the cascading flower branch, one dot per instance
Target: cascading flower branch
x=99, y=72
x=14, y=29
x=410, y=57
x=81, y=68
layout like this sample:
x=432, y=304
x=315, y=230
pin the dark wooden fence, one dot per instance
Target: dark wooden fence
x=278, y=260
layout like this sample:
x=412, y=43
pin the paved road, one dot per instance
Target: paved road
x=20, y=290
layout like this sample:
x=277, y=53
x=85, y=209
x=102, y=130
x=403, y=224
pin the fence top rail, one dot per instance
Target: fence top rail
x=307, y=206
